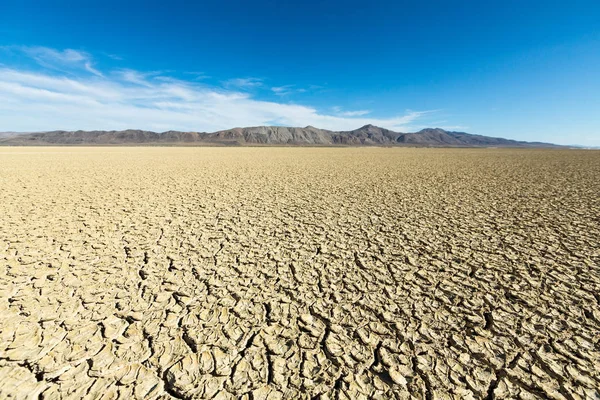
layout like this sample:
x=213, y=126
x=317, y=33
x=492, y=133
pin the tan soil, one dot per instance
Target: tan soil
x=296, y=273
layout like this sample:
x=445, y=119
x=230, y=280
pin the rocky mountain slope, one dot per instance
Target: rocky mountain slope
x=368, y=135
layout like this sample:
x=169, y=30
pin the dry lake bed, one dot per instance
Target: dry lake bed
x=297, y=273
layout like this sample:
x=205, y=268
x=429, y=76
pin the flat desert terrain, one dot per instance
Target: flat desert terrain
x=297, y=273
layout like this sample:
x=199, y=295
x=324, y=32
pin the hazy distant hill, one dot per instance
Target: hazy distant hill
x=11, y=134
x=367, y=135
x=440, y=137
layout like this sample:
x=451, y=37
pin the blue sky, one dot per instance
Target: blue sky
x=526, y=70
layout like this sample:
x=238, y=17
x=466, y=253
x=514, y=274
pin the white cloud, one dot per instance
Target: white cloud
x=198, y=75
x=286, y=90
x=47, y=54
x=60, y=60
x=89, y=68
x=114, y=56
x=282, y=90
x=243, y=83
x=50, y=99
x=356, y=113
x=341, y=113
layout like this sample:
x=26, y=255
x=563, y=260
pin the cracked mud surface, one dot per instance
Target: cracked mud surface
x=299, y=273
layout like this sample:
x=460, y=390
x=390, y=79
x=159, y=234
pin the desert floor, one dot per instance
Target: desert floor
x=268, y=273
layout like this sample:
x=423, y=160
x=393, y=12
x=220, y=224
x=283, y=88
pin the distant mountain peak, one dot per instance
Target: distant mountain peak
x=429, y=130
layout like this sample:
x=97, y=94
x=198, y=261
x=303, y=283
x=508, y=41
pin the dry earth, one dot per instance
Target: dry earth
x=297, y=273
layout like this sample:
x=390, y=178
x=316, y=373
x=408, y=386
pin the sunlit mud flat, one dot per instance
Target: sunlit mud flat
x=269, y=273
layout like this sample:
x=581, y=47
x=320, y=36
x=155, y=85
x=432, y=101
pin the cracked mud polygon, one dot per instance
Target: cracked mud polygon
x=290, y=273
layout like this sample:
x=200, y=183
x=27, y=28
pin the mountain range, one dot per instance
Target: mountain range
x=368, y=135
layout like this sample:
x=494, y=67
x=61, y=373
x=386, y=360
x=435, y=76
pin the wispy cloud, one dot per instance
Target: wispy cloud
x=356, y=113
x=198, y=75
x=61, y=59
x=49, y=98
x=135, y=77
x=339, y=111
x=90, y=68
x=286, y=90
x=113, y=56
x=243, y=83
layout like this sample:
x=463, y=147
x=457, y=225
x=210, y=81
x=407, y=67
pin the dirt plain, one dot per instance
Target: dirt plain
x=270, y=273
